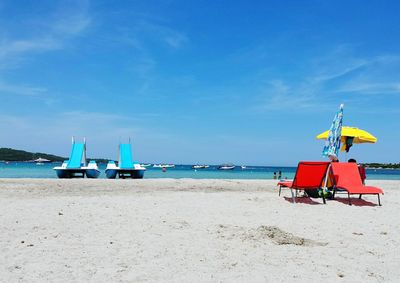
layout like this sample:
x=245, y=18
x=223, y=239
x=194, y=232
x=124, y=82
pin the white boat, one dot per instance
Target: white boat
x=226, y=167
x=145, y=165
x=163, y=165
x=243, y=167
x=200, y=166
x=41, y=161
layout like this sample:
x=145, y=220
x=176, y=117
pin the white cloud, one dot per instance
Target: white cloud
x=339, y=76
x=20, y=46
x=21, y=90
x=381, y=76
x=345, y=69
x=175, y=40
x=370, y=88
x=161, y=32
x=279, y=95
x=72, y=25
x=55, y=30
x=144, y=31
x=52, y=35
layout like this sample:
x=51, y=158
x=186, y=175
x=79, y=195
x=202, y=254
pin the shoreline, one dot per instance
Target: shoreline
x=168, y=179
x=180, y=230
x=154, y=184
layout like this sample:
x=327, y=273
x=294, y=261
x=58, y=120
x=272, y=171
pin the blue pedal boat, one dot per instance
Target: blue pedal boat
x=76, y=166
x=126, y=168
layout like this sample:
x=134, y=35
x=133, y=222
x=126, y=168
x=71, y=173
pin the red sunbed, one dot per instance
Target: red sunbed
x=309, y=175
x=347, y=177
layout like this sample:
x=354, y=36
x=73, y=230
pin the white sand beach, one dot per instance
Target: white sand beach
x=185, y=230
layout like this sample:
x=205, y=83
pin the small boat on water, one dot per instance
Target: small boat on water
x=200, y=166
x=163, y=165
x=126, y=168
x=76, y=166
x=243, y=167
x=226, y=167
x=146, y=165
x=41, y=161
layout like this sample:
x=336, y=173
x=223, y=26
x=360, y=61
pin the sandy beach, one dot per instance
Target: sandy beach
x=185, y=230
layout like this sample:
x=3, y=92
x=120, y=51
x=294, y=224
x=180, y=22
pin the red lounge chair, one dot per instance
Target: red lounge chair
x=309, y=175
x=347, y=177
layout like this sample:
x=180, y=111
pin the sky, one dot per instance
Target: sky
x=247, y=82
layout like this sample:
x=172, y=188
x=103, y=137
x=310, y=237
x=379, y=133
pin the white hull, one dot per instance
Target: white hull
x=112, y=171
x=200, y=166
x=226, y=167
x=163, y=166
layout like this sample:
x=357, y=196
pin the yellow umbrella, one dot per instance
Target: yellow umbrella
x=360, y=136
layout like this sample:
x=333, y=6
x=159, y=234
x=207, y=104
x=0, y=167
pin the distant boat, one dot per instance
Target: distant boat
x=226, y=167
x=146, y=165
x=41, y=161
x=200, y=166
x=243, y=167
x=163, y=165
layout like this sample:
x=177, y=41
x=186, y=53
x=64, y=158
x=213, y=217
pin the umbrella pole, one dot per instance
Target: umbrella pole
x=325, y=188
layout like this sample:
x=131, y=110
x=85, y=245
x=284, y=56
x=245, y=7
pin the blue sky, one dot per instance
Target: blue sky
x=199, y=81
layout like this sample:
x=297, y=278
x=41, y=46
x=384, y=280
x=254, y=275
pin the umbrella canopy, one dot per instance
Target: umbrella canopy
x=360, y=136
x=332, y=144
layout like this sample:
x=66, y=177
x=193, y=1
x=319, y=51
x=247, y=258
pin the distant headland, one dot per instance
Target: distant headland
x=382, y=165
x=10, y=154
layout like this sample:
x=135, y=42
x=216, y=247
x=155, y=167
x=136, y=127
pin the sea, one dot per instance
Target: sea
x=32, y=170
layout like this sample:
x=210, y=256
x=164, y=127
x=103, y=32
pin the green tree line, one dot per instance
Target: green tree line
x=9, y=154
x=382, y=165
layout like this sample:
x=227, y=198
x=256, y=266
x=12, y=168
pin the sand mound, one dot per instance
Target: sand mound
x=262, y=233
x=280, y=237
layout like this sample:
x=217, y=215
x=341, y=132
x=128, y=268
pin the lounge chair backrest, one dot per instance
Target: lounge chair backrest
x=125, y=153
x=76, y=156
x=346, y=175
x=310, y=174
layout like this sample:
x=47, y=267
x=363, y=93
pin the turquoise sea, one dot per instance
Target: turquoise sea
x=31, y=170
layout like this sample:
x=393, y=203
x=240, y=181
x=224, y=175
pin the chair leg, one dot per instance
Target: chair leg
x=360, y=196
x=280, y=189
x=348, y=195
x=291, y=190
x=379, y=200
